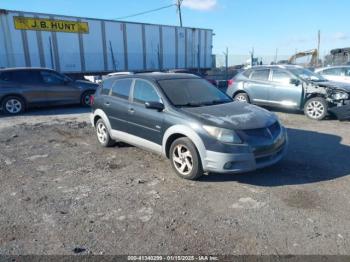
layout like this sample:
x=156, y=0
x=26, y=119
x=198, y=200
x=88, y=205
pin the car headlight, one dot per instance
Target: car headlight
x=223, y=135
x=340, y=96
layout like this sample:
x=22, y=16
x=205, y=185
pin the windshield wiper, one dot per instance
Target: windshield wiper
x=190, y=104
x=216, y=102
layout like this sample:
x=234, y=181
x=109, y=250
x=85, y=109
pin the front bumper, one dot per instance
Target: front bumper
x=245, y=162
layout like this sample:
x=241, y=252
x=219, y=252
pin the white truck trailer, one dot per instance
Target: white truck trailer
x=77, y=45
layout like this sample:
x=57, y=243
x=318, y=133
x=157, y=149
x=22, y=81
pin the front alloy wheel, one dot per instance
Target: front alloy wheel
x=316, y=108
x=185, y=159
x=241, y=97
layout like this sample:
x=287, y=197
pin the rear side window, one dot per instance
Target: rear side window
x=247, y=73
x=121, y=88
x=6, y=76
x=22, y=76
x=145, y=92
x=260, y=75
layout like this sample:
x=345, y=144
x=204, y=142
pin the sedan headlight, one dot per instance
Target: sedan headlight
x=223, y=135
x=340, y=96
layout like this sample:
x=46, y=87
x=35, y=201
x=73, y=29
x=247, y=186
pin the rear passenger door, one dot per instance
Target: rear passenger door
x=285, y=93
x=116, y=105
x=145, y=123
x=28, y=83
x=259, y=87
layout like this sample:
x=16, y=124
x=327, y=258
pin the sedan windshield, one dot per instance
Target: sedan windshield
x=192, y=92
x=306, y=74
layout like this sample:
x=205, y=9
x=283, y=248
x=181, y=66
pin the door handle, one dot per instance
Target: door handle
x=131, y=110
x=107, y=103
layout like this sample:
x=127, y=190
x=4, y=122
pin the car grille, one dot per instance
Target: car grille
x=264, y=141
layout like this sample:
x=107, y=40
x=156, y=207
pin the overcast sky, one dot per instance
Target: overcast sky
x=288, y=25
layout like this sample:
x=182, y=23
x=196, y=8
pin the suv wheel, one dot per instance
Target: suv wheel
x=316, y=108
x=85, y=98
x=13, y=105
x=103, y=135
x=185, y=159
x=242, y=97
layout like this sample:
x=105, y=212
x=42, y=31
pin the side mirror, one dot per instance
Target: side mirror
x=155, y=105
x=295, y=82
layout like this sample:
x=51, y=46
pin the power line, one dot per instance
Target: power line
x=146, y=12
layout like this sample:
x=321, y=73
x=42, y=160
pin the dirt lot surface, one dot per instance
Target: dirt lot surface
x=61, y=193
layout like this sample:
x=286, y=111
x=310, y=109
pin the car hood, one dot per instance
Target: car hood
x=86, y=84
x=234, y=115
x=334, y=85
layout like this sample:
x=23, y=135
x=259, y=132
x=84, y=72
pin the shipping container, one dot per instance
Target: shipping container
x=78, y=45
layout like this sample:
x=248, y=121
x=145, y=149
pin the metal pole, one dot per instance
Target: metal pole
x=179, y=2
x=318, y=46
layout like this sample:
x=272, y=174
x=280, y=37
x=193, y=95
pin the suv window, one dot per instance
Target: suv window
x=247, y=73
x=121, y=88
x=52, y=78
x=145, y=92
x=333, y=72
x=107, y=86
x=281, y=77
x=22, y=76
x=260, y=75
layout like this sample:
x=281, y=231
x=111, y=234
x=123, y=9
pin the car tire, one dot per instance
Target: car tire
x=13, y=105
x=85, y=98
x=103, y=136
x=185, y=159
x=242, y=97
x=316, y=108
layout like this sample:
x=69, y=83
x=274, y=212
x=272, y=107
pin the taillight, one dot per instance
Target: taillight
x=92, y=100
x=230, y=82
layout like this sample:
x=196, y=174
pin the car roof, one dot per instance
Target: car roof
x=157, y=76
x=24, y=68
x=276, y=66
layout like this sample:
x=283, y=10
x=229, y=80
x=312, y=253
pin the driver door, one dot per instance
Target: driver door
x=145, y=123
x=58, y=89
x=285, y=94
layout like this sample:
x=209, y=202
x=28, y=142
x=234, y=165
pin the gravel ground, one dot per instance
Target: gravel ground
x=61, y=193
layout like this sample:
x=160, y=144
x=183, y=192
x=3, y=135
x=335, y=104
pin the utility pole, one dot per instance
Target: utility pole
x=276, y=55
x=318, y=47
x=226, y=63
x=178, y=4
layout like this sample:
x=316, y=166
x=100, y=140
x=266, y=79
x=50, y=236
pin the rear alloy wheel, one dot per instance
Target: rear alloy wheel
x=185, y=159
x=103, y=135
x=241, y=97
x=13, y=105
x=86, y=98
x=316, y=108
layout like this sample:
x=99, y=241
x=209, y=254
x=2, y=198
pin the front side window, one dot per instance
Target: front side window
x=192, y=93
x=280, y=76
x=145, y=92
x=121, y=88
x=52, y=78
x=260, y=75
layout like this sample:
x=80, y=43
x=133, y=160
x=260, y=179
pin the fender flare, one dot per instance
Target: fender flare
x=190, y=134
x=101, y=114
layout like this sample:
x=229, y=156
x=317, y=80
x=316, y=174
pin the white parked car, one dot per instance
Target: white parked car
x=336, y=73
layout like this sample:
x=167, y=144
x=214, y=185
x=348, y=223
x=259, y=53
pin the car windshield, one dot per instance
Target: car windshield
x=306, y=74
x=192, y=93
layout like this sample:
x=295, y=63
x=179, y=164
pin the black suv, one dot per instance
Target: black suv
x=21, y=88
x=188, y=120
